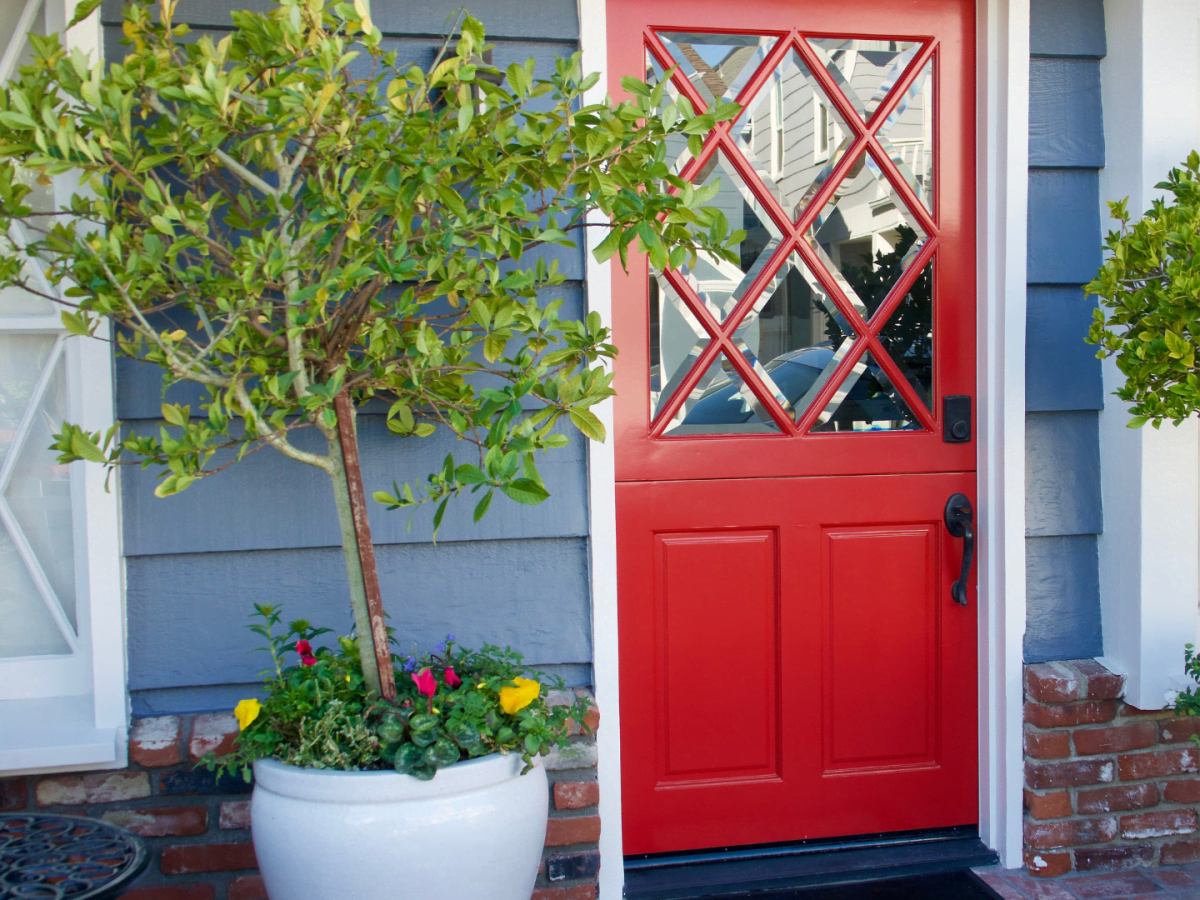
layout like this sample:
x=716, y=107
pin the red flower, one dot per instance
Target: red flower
x=309, y=660
x=451, y=679
x=425, y=682
x=303, y=647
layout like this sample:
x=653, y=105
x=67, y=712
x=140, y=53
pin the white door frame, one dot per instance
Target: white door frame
x=1002, y=129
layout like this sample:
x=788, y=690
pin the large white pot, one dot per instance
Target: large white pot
x=476, y=829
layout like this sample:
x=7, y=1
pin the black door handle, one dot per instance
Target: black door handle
x=959, y=517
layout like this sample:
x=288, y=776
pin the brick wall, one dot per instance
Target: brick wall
x=198, y=828
x=1107, y=786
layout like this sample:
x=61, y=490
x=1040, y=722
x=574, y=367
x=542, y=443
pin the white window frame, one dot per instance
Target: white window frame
x=1148, y=551
x=84, y=725
x=1002, y=134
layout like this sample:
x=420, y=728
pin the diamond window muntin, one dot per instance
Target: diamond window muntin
x=857, y=273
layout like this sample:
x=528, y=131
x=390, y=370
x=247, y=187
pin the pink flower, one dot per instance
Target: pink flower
x=303, y=647
x=425, y=682
x=451, y=679
x=309, y=660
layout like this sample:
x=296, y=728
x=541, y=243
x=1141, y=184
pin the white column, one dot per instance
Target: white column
x=1149, y=479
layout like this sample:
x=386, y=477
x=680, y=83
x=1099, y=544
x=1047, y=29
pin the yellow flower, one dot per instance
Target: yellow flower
x=517, y=698
x=247, y=711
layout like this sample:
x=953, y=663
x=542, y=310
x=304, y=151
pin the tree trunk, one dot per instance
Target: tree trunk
x=350, y=499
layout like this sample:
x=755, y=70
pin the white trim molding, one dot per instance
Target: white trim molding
x=1003, y=187
x=1002, y=133
x=84, y=726
x=1148, y=551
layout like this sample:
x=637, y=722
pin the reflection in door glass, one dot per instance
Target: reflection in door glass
x=866, y=401
x=864, y=69
x=908, y=336
x=866, y=236
x=793, y=337
x=792, y=134
x=717, y=65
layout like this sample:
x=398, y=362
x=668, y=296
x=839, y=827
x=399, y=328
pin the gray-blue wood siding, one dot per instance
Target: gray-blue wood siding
x=264, y=531
x=1063, y=392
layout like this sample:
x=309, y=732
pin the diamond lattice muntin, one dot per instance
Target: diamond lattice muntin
x=825, y=323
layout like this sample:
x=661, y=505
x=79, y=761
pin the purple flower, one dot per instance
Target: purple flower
x=441, y=648
x=450, y=637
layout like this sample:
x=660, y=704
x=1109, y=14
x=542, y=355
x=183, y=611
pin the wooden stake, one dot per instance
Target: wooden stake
x=366, y=550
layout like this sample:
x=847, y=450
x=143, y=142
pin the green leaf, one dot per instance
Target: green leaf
x=85, y=448
x=527, y=491
x=82, y=10
x=606, y=248
x=493, y=346
x=585, y=420
x=481, y=507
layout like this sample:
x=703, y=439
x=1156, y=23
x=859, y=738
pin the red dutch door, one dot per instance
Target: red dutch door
x=789, y=430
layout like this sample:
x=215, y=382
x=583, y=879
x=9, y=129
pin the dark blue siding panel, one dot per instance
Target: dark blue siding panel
x=1062, y=474
x=1064, y=226
x=185, y=612
x=1062, y=586
x=1066, y=126
x=293, y=502
x=1061, y=371
x=549, y=19
x=1067, y=28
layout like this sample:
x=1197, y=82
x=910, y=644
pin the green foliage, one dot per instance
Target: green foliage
x=319, y=715
x=290, y=213
x=1187, y=703
x=1150, y=283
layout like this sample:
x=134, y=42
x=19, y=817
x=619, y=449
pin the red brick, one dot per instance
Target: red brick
x=1101, y=683
x=576, y=794
x=156, y=742
x=161, y=821
x=247, y=887
x=1039, y=888
x=1075, y=773
x=181, y=859
x=1118, y=739
x=14, y=794
x=1055, y=805
x=1177, y=731
x=1048, y=744
x=1135, y=767
x=1001, y=886
x=1174, y=878
x=1185, y=790
x=1093, y=859
x=109, y=787
x=1050, y=835
x=578, y=830
x=173, y=892
x=1180, y=852
x=579, y=892
x=1068, y=715
x=1052, y=682
x=214, y=732
x=1116, y=799
x=235, y=814
x=1158, y=824
x=1047, y=865
x=1120, y=884
x=592, y=720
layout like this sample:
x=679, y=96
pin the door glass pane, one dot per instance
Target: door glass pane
x=865, y=70
x=676, y=341
x=866, y=401
x=678, y=155
x=908, y=336
x=866, y=236
x=794, y=336
x=792, y=134
x=29, y=629
x=717, y=65
x=721, y=403
x=907, y=136
x=39, y=493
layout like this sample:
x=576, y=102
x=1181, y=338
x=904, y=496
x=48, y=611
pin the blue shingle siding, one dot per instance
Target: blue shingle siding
x=265, y=531
x=1063, y=512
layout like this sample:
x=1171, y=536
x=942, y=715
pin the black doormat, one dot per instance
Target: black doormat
x=943, y=886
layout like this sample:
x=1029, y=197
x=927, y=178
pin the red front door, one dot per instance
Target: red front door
x=792, y=663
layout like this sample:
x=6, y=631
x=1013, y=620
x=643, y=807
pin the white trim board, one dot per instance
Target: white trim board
x=1002, y=117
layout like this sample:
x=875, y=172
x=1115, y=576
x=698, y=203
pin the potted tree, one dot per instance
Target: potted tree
x=300, y=223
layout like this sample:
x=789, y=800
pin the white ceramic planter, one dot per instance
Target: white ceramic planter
x=476, y=829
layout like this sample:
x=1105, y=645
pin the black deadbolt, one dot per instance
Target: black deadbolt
x=956, y=419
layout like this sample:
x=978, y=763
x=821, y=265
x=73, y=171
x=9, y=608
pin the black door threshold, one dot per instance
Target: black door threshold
x=740, y=871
